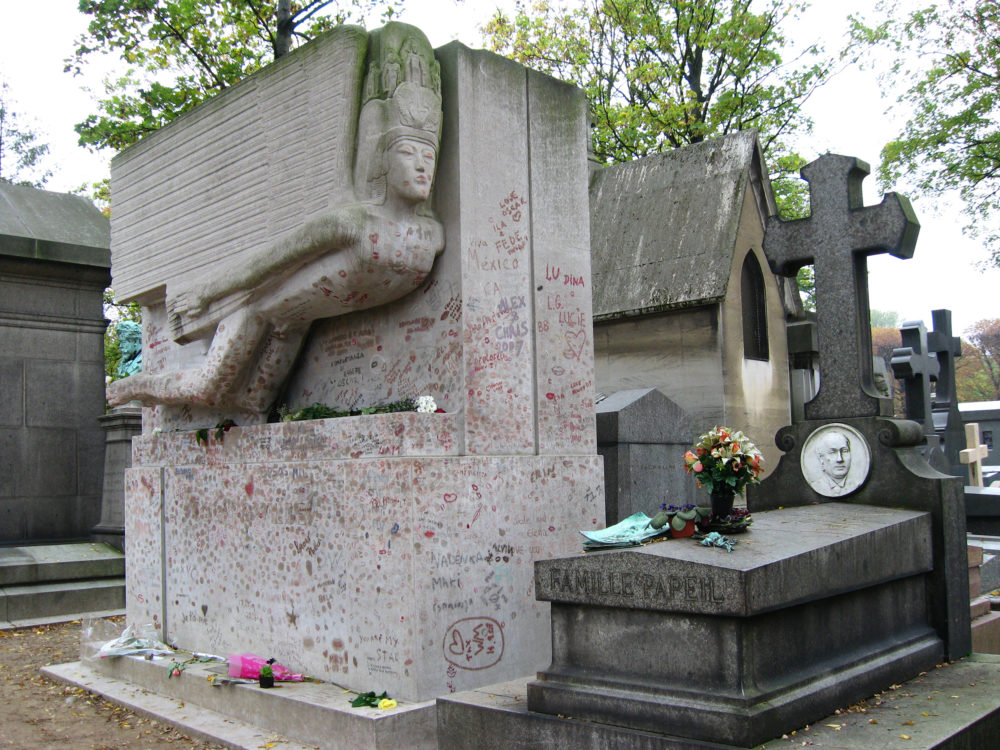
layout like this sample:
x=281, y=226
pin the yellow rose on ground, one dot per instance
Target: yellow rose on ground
x=387, y=703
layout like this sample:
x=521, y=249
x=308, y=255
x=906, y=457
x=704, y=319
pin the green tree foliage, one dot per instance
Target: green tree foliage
x=21, y=152
x=884, y=318
x=116, y=312
x=947, y=63
x=180, y=52
x=666, y=73
x=977, y=372
x=806, y=281
x=661, y=74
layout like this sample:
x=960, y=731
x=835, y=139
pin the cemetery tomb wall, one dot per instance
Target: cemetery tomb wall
x=757, y=391
x=676, y=352
x=52, y=376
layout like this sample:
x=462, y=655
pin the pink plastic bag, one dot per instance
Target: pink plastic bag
x=248, y=667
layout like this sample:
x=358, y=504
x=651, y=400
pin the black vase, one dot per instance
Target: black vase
x=722, y=505
x=266, y=681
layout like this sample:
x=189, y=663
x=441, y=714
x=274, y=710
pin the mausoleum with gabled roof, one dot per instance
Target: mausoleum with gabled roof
x=684, y=300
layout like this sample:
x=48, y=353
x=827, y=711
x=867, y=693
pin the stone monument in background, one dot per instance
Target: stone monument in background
x=893, y=471
x=388, y=552
x=53, y=269
x=853, y=576
x=683, y=299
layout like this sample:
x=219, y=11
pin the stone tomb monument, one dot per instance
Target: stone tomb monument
x=53, y=268
x=683, y=299
x=642, y=436
x=884, y=457
x=358, y=247
x=858, y=583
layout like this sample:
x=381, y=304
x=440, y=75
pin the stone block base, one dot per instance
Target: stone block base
x=737, y=648
x=986, y=634
x=954, y=707
x=319, y=715
x=336, y=550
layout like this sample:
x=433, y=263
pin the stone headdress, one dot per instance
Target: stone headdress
x=401, y=98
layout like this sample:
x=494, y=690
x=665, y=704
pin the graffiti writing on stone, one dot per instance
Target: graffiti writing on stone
x=474, y=643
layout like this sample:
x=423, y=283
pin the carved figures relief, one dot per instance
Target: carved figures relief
x=835, y=460
x=358, y=255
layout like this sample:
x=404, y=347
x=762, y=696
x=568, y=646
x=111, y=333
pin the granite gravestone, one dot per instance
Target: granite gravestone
x=53, y=269
x=386, y=551
x=642, y=436
x=947, y=420
x=918, y=370
x=857, y=582
x=836, y=239
x=899, y=475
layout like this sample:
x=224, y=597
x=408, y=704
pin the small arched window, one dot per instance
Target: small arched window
x=754, y=310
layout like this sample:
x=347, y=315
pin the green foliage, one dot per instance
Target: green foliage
x=947, y=63
x=201, y=435
x=180, y=52
x=321, y=411
x=666, y=73
x=883, y=319
x=21, y=152
x=977, y=372
x=806, y=280
x=115, y=312
x=369, y=699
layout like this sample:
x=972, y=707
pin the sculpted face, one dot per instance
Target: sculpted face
x=410, y=165
x=835, y=456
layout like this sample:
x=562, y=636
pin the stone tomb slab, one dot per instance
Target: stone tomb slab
x=405, y=573
x=953, y=707
x=244, y=716
x=819, y=606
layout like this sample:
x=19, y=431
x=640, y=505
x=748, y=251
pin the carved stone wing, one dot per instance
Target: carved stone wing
x=246, y=169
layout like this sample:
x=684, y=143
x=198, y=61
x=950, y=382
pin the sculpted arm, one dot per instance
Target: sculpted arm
x=327, y=233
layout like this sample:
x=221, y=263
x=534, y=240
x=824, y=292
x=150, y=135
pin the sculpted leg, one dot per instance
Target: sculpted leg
x=274, y=362
x=234, y=345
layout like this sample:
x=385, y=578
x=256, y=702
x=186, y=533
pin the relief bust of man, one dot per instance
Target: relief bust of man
x=354, y=257
x=835, y=460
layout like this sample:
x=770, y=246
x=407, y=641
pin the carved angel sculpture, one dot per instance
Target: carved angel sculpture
x=356, y=256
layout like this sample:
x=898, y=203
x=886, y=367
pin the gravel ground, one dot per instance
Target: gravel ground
x=36, y=712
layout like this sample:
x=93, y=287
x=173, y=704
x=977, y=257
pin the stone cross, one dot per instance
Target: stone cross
x=973, y=455
x=916, y=367
x=947, y=420
x=837, y=238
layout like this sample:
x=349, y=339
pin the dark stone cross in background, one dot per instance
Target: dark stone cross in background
x=837, y=239
x=947, y=420
x=917, y=367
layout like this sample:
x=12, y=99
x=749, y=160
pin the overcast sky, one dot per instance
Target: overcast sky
x=849, y=115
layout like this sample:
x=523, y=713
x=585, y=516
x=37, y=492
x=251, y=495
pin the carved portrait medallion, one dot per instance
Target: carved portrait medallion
x=835, y=460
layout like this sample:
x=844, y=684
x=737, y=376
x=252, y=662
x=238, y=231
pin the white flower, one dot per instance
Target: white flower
x=426, y=405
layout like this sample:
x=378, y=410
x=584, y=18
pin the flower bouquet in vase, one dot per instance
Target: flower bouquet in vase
x=724, y=461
